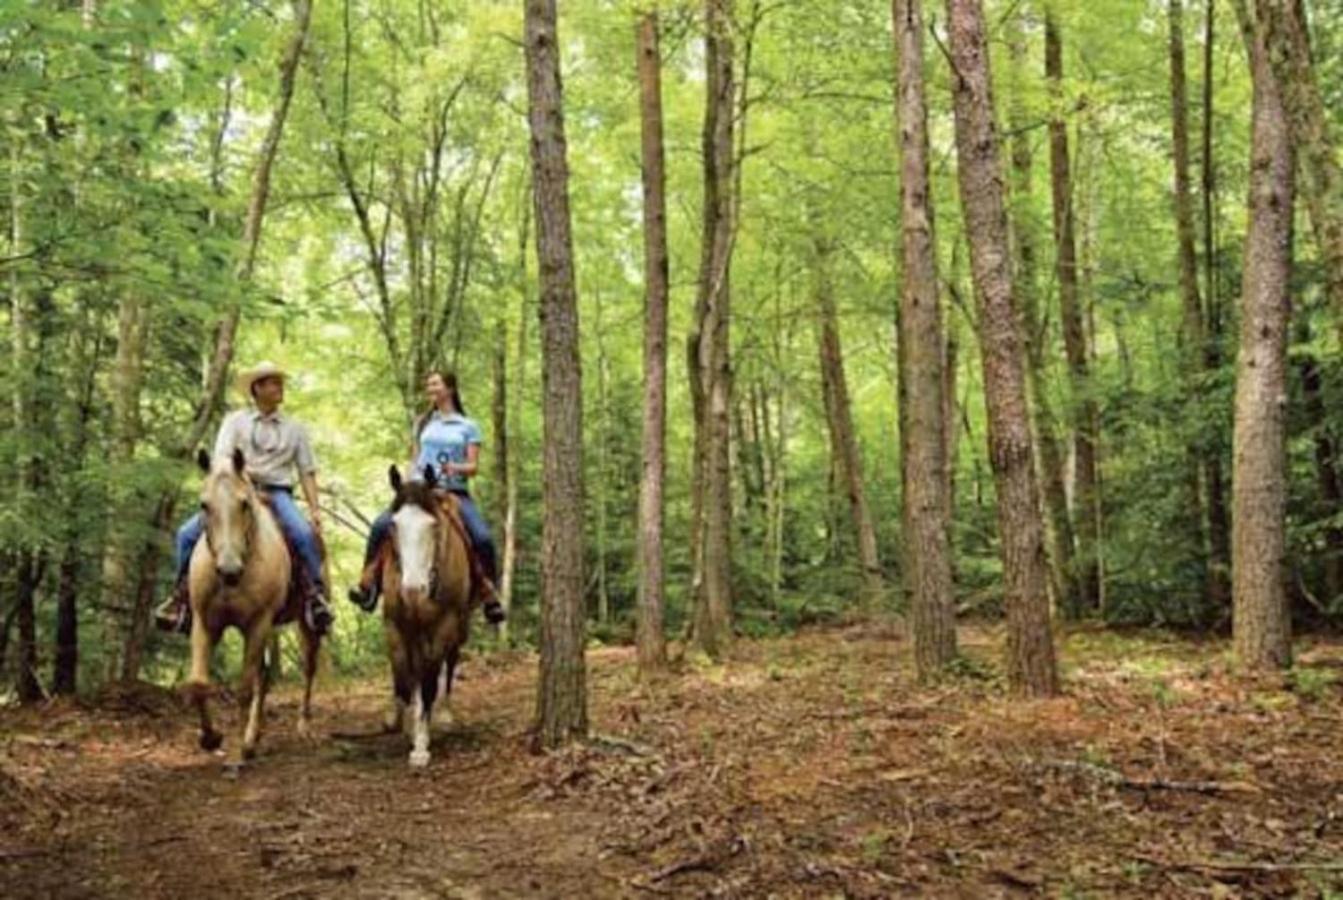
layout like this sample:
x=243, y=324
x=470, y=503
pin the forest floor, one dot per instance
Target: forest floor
x=808, y=766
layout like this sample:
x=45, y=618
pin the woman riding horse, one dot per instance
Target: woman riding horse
x=447, y=442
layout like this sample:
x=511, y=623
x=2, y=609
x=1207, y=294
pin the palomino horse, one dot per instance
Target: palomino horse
x=239, y=577
x=426, y=589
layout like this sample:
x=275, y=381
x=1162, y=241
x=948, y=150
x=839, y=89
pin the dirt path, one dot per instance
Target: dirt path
x=808, y=767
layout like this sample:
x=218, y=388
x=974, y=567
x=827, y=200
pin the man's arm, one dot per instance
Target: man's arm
x=306, y=461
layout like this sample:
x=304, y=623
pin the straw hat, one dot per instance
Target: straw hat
x=249, y=377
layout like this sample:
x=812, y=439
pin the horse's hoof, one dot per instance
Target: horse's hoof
x=233, y=769
x=419, y=759
x=211, y=741
x=248, y=753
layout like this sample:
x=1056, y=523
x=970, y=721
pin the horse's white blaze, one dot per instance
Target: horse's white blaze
x=415, y=546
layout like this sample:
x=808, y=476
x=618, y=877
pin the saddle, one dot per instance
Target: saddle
x=448, y=504
x=302, y=589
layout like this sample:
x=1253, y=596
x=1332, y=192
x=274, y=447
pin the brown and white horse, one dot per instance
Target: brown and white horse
x=240, y=578
x=426, y=589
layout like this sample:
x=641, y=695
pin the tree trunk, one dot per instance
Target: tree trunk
x=1031, y=668
x=1219, y=521
x=1287, y=42
x=1326, y=465
x=1261, y=624
x=713, y=600
x=1191, y=322
x=839, y=416
x=1063, y=570
x=509, y=562
x=925, y=489
x=561, y=708
x=651, y=636
x=603, y=462
x=1085, y=417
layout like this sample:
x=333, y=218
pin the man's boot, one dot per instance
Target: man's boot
x=174, y=614
x=317, y=612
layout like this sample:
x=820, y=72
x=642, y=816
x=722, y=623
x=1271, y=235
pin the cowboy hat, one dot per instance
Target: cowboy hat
x=249, y=377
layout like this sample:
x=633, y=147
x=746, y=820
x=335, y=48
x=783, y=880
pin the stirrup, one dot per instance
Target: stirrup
x=317, y=614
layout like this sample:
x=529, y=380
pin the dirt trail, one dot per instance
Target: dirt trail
x=808, y=767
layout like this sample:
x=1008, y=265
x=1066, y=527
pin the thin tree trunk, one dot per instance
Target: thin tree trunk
x=713, y=601
x=1063, y=570
x=839, y=415
x=221, y=356
x=1261, y=633
x=603, y=462
x=1326, y=465
x=561, y=708
x=509, y=562
x=1085, y=425
x=1191, y=322
x=1219, y=519
x=1031, y=668
x=924, y=485
x=651, y=636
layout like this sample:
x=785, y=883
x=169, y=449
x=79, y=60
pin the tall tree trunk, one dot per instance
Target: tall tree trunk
x=603, y=461
x=651, y=636
x=1191, y=322
x=1261, y=624
x=1031, y=668
x=1219, y=519
x=561, y=707
x=1326, y=465
x=509, y=562
x=1086, y=499
x=839, y=416
x=713, y=600
x=1287, y=42
x=221, y=356
x=923, y=443
x=1063, y=569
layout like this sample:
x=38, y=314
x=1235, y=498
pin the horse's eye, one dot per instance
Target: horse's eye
x=205, y=507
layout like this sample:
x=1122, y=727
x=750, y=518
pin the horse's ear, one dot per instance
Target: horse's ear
x=203, y=460
x=430, y=476
x=239, y=461
x=394, y=478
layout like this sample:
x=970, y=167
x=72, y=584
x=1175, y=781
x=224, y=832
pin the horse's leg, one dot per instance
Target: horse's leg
x=396, y=654
x=443, y=715
x=450, y=660
x=252, y=690
x=424, y=713
x=310, y=644
x=198, y=684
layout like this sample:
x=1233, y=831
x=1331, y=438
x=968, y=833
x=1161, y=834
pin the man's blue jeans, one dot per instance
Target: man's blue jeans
x=292, y=522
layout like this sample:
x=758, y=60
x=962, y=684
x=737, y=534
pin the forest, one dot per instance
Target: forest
x=910, y=434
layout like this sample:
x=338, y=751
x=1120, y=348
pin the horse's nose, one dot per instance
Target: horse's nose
x=413, y=592
x=230, y=576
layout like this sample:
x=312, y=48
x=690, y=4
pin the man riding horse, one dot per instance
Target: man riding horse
x=274, y=446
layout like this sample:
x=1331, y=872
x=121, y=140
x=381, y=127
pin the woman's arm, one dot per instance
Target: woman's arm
x=468, y=468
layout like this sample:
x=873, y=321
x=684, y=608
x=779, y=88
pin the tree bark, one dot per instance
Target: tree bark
x=1085, y=417
x=1287, y=42
x=839, y=416
x=1063, y=570
x=925, y=485
x=1261, y=626
x=710, y=341
x=561, y=709
x=651, y=638
x=1031, y=666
